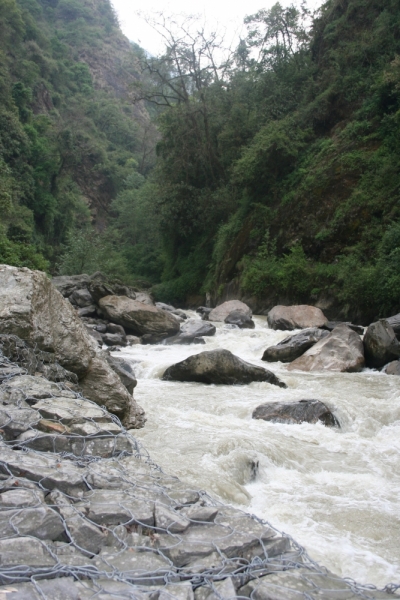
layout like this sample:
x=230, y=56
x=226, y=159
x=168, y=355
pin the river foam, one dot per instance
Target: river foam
x=337, y=492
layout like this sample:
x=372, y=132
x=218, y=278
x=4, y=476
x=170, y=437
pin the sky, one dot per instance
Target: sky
x=229, y=14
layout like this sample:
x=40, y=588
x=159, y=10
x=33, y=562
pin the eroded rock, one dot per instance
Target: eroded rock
x=299, y=316
x=342, y=350
x=294, y=346
x=310, y=411
x=380, y=344
x=223, y=310
x=221, y=367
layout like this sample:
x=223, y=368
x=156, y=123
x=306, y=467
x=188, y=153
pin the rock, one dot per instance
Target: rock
x=310, y=411
x=104, y=387
x=14, y=421
x=124, y=371
x=294, y=346
x=87, y=311
x=191, y=330
x=219, y=366
x=204, y=311
x=167, y=519
x=32, y=309
x=342, y=350
x=305, y=583
x=198, y=512
x=21, y=498
x=112, y=507
x=114, y=339
x=99, y=288
x=240, y=319
x=295, y=317
x=144, y=298
x=380, y=344
x=25, y=551
x=41, y=522
x=393, y=368
x=19, y=352
x=67, y=284
x=70, y=411
x=330, y=325
x=50, y=471
x=144, y=568
x=394, y=323
x=176, y=591
x=175, y=311
x=137, y=317
x=81, y=298
x=83, y=534
x=95, y=335
x=114, y=328
x=54, y=589
x=132, y=340
x=217, y=590
x=223, y=310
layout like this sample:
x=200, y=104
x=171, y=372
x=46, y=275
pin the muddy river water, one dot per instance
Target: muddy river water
x=336, y=491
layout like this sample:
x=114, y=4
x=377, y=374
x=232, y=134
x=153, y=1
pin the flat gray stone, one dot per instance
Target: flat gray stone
x=35, y=387
x=53, y=589
x=14, y=421
x=169, y=519
x=144, y=568
x=199, y=513
x=24, y=551
x=217, y=590
x=70, y=410
x=42, y=522
x=50, y=471
x=110, y=507
x=20, y=498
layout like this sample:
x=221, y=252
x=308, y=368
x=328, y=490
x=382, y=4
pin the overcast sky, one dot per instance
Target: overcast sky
x=229, y=14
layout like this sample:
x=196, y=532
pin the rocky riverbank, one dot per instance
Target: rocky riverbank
x=84, y=511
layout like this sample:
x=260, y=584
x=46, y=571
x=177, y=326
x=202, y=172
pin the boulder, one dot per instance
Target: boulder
x=380, y=344
x=32, y=309
x=294, y=346
x=394, y=323
x=330, y=325
x=219, y=366
x=341, y=350
x=310, y=411
x=295, y=317
x=81, y=298
x=175, y=311
x=223, y=310
x=114, y=339
x=191, y=330
x=144, y=298
x=87, y=311
x=240, y=319
x=123, y=370
x=113, y=328
x=67, y=284
x=393, y=368
x=139, y=318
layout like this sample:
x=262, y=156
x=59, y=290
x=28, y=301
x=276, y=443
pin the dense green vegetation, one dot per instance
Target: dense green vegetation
x=283, y=171
x=74, y=148
x=278, y=166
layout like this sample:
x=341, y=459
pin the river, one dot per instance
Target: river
x=336, y=491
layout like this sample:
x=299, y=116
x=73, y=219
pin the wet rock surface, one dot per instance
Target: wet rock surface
x=240, y=319
x=310, y=411
x=191, y=330
x=223, y=310
x=299, y=316
x=342, y=351
x=221, y=367
x=294, y=346
x=380, y=344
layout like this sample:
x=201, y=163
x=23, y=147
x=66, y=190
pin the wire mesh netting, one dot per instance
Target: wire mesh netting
x=85, y=512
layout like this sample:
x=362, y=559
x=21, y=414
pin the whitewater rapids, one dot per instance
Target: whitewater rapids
x=336, y=491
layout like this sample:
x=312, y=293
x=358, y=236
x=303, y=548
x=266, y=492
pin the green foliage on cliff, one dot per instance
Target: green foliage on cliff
x=282, y=170
x=71, y=139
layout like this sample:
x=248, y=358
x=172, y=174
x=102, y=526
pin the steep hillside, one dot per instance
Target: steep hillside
x=70, y=136
x=299, y=198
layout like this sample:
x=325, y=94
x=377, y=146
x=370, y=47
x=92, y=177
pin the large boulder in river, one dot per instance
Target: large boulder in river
x=393, y=368
x=299, y=316
x=240, y=319
x=223, y=310
x=310, y=411
x=139, y=318
x=294, y=346
x=219, y=366
x=341, y=350
x=191, y=330
x=380, y=344
x=32, y=309
x=394, y=323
